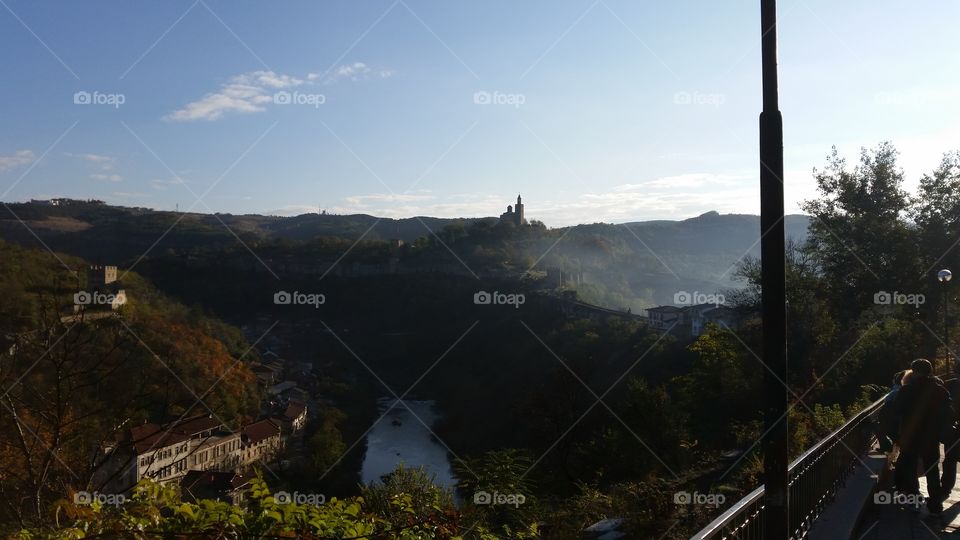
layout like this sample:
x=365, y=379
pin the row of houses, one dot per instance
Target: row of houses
x=199, y=443
x=692, y=320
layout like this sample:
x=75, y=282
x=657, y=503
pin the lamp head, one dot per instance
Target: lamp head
x=944, y=275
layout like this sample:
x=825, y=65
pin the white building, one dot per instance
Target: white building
x=199, y=443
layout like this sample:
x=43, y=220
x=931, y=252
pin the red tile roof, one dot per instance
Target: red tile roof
x=150, y=436
x=294, y=410
x=258, y=431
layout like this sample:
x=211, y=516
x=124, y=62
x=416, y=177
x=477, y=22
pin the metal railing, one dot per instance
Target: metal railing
x=814, y=479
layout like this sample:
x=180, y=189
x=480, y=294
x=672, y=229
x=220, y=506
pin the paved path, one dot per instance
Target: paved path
x=894, y=522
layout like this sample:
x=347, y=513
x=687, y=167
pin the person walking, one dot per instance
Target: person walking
x=951, y=441
x=888, y=423
x=921, y=405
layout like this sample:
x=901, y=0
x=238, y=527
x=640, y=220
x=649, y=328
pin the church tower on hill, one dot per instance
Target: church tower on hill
x=514, y=214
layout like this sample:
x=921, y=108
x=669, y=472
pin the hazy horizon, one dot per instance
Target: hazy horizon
x=414, y=217
x=596, y=110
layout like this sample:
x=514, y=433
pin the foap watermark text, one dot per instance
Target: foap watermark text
x=484, y=97
x=485, y=498
x=699, y=98
x=312, y=499
x=714, y=500
x=896, y=298
x=908, y=499
x=297, y=298
x=99, y=98
x=86, y=498
x=696, y=298
x=299, y=98
x=484, y=298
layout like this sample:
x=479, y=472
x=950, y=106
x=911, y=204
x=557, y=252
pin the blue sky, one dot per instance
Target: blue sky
x=607, y=110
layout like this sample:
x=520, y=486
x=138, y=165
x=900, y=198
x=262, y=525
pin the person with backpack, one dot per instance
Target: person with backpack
x=921, y=405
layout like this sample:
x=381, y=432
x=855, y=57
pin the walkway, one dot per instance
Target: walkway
x=894, y=522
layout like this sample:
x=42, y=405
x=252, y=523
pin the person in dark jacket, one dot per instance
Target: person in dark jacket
x=951, y=443
x=888, y=427
x=921, y=404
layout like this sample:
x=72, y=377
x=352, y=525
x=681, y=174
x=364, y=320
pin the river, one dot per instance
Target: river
x=400, y=437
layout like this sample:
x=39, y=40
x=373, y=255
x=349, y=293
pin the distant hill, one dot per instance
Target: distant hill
x=625, y=265
x=97, y=231
x=712, y=233
x=307, y=226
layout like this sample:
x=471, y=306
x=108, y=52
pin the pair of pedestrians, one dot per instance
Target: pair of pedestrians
x=926, y=417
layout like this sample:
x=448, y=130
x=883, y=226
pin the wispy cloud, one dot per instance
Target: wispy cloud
x=101, y=162
x=245, y=93
x=356, y=71
x=386, y=198
x=254, y=91
x=17, y=159
x=105, y=162
x=130, y=195
x=685, y=181
x=289, y=210
x=163, y=184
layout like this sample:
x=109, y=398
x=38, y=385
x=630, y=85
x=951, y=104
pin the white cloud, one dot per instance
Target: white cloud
x=104, y=162
x=289, y=210
x=689, y=180
x=356, y=71
x=361, y=200
x=107, y=177
x=18, y=159
x=94, y=158
x=253, y=91
x=245, y=93
x=130, y=195
x=163, y=184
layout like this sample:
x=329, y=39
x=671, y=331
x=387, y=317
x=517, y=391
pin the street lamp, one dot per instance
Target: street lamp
x=943, y=277
x=772, y=280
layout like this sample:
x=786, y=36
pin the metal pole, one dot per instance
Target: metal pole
x=772, y=279
x=946, y=329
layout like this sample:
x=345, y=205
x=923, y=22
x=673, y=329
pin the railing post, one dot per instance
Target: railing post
x=772, y=247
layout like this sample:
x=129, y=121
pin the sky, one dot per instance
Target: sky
x=594, y=110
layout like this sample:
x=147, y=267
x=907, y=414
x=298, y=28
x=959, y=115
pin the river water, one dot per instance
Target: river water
x=400, y=437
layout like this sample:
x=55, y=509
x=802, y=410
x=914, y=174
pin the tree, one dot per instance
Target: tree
x=936, y=212
x=325, y=447
x=720, y=386
x=857, y=237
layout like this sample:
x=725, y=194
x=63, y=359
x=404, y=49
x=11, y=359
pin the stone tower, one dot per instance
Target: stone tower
x=514, y=214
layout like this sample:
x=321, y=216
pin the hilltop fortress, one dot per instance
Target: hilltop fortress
x=514, y=214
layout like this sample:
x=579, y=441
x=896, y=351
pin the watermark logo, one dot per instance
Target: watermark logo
x=97, y=298
x=98, y=98
x=298, y=98
x=887, y=497
x=297, y=298
x=896, y=298
x=484, y=298
x=714, y=500
x=485, y=498
x=484, y=97
x=312, y=499
x=87, y=498
x=696, y=298
x=699, y=98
